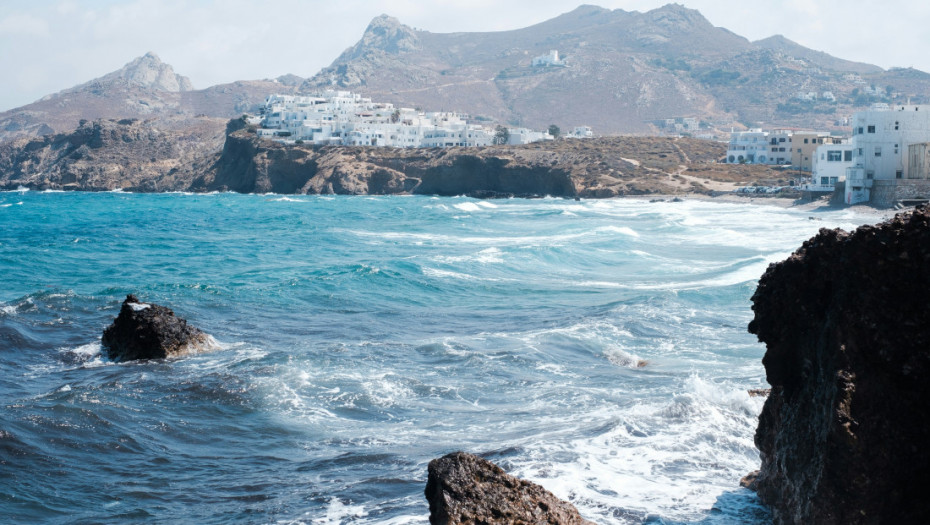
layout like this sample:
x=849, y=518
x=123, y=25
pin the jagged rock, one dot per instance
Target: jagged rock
x=842, y=435
x=149, y=331
x=464, y=489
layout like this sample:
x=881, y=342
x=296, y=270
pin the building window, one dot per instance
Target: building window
x=869, y=175
x=896, y=126
x=878, y=151
x=847, y=156
x=859, y=152
x=834, y=156
x=899, y=174
x=805, y=141
x=781, y=139
x=871, y=129
x=860, y=130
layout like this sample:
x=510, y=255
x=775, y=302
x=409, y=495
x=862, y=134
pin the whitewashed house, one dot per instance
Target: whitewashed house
x=829, y=167
x=748, y=147
x=344, y=118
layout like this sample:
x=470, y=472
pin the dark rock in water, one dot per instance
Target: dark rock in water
x=464, y=489
x=847, y=330
x=150, y=331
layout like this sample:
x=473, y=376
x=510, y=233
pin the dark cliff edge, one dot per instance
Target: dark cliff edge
x=846, y=327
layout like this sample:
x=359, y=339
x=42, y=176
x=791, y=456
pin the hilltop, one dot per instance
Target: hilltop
x=623, y=72
x=145, y=88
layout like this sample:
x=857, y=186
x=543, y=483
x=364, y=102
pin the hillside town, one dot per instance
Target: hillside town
x=883, y=161
x=348, y=119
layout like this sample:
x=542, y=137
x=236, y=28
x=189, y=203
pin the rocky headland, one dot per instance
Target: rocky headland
x=216, y=155
x=845, y=324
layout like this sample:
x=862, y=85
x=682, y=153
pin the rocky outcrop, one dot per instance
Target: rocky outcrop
x=464, y=489
x=598, y=168
x=149, y=331
x=128, y=154
x=842, y=435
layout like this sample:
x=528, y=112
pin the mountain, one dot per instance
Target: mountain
x=145, y=88
x=622, y=72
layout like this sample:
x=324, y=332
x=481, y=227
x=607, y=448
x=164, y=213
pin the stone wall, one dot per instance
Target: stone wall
x=887, y=193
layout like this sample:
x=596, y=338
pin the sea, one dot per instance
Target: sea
x=596, y=347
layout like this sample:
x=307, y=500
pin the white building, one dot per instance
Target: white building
x=881, y=137
x=344, y=118
x=580, y=132
x=829, y=166
x=749, y=147
x=548, y=60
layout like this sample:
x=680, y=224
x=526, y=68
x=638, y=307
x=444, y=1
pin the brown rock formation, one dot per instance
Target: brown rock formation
x=847, y=329
x=150, y=331
x=464, y=489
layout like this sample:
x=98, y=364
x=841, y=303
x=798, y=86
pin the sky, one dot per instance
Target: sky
x=50, y=45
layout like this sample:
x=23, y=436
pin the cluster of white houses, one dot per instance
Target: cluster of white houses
x=886, y=160
x=348, y=119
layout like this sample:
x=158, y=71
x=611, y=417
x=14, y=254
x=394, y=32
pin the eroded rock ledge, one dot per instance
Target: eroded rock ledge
x=846, y=326
x=150, y=331
x=464, y=489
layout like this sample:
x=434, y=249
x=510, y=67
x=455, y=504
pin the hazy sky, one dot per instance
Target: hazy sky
x=50, y=45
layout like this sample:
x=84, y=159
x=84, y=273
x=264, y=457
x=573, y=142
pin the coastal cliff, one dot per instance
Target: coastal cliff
x=845, y=324
x=590, y=168
x=216, y=155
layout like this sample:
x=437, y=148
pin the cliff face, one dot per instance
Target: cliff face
x=845, y=323
x=606, y=167
x=128, y=154
x=147, y=156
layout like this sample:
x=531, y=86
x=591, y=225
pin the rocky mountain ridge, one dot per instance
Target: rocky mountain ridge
x=146, y=88
x=623, y=72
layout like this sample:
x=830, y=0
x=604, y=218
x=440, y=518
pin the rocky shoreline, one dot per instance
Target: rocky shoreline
x=149, y=156
x=840, y=435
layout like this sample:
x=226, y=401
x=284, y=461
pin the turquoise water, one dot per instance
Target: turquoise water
x=364, y=336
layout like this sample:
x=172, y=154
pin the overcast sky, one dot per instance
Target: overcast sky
x=50, y=45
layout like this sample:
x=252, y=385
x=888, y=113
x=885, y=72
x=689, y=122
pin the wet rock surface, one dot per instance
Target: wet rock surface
x=844, y=319
x=464, y=489
x=150, y=331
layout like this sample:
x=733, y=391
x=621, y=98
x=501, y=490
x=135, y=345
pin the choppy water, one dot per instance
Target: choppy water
x=364, y=336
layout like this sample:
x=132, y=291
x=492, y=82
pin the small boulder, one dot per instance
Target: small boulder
x=464, y=489
x=149, y=331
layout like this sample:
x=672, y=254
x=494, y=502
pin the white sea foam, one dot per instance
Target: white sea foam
x=487, y=256
x=447, y=274
x=339, y=513
x=8, y=309
x=622, y=230
x=467, y=206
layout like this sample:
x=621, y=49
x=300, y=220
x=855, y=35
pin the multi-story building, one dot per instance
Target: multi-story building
x=829, y=167
x=803, y=145
x=882, y=136
x=748, y=147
